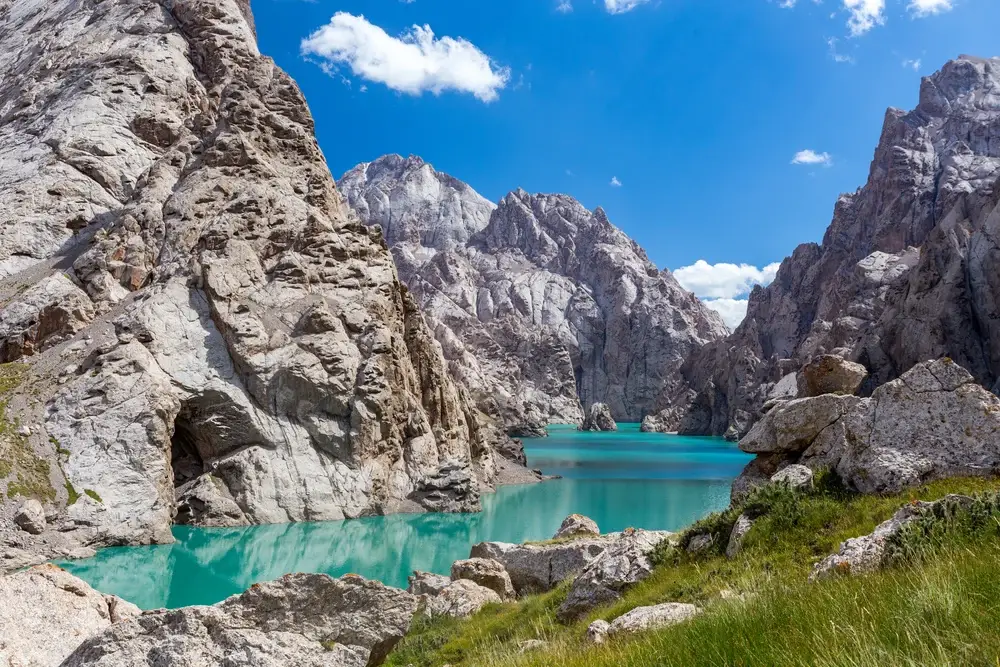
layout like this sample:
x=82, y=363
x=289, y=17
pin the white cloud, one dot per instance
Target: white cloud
x=615, y=183
x=809, y=156
x=622, y=6
x=912, y=64
x=564, y=6
x=412, y=63
x=864, y=15
x=921, y=8
x=837, y=55
x=733, y=311
x=723, y=280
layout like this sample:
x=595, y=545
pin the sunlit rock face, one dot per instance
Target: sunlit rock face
x=191, y=295
x=907, y=270
x=542, y=307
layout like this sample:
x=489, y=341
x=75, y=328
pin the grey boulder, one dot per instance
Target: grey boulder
x=577, y=525
x=486, y=572
x=461, y=599
x=31, y=517
x=830, y=374
x=535, y=568
x=599, y=419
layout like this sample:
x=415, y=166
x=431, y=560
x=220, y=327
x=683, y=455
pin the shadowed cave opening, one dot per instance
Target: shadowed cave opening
x=185, y=459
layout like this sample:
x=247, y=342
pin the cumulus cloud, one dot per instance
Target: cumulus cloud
x=615, y=183
x=921, y=8
x=810, y=156
x=723, y=280
x=622, y=6
x=733, y=311
x=865, y=15
x=412, y=63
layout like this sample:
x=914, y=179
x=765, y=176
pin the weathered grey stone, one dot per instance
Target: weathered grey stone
x=461, y=599
x=653, y=618
x=539, y=568
x=525, y=296
x=426, y=583
x=31, y=517
x=530, y=645
x=798, y=477
x=740, y=529
x=44, y=315
x=623, y=563
x=47, y=612
x=700, y=543
x=486, y=572
x=300, y=619
x=932, y=422
x=599, y=419
x=577, y=525
x=597, y=632
x=829, y=374
x=205, y=501
x=907, y=270
x=861, y=555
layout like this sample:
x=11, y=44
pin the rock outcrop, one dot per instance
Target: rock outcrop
x=599, y=419
x=829, y=374
x=192, y=299
x=624, y=563
x=575, y=526
x=486, y=572
x=933, y=422
x=906, y=271
x=641, y=619
x=461, y=598
x=300, y=619
x=47, y=612
x=536, y=568
x=541, y=306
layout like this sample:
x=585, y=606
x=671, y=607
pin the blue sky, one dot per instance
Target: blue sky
x=696, y=108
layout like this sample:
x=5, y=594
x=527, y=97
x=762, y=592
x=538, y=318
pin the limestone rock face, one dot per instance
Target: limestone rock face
x=932, y=422
x=907, y=270
x=485, y=572
x=577, y=525
x=623, y=563
x=193, y=296
x=829, y=374
x=540, y=305
x=300, y=619
x=599, y=419
x=47, y=612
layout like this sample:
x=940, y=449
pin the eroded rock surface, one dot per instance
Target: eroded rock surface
x=931, y=423
x=577, y=525
x=486, y=572
x=462, y=598
x=300, y=619
x=599, y=419
x=192, y=296
x=907, y=270
x=46, y=614
x=541, y=306
x=536, y=568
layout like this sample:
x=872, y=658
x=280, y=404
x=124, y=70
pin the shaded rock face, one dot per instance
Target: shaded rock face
x=300, y=619
x=540, y=305
x=47, y=612
x=191, y=293
x=599, y=419
x=932, y=422
x=907, y=270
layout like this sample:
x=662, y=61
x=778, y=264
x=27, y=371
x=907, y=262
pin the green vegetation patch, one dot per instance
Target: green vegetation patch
x=26, y=472
x=936, y=606
x=93, y=494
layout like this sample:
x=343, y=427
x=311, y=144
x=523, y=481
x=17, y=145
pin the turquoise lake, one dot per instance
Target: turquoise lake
x=622, y=479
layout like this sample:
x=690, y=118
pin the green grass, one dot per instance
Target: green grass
x=93, y=494
x=26, y=473
x=940, y=609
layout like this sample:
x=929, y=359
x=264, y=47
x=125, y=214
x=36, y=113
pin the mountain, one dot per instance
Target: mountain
x=542, y=307
x=199, y=326
x=907, y=270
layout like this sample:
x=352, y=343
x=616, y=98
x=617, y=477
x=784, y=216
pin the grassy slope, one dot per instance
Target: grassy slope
x=943, y=612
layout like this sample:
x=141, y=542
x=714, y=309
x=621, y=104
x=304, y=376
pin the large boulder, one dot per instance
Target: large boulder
x=307, y=620
x=797, y=477
x=577, y=525
x=829, y=374
x=861, y=555
x=426, y=583
x=486, y=572
x=461, y=599
x=625, y=562
x=31, y=517
x=932, y=422
x=740, y=529
x=537, y=568
x=46, y=614
x=599, y=419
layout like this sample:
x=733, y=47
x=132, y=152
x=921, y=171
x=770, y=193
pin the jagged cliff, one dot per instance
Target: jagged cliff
x=542, y=306
x=907, y=270
x=191, y=307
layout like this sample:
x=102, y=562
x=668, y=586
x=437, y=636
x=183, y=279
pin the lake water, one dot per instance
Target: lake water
x=621, y=479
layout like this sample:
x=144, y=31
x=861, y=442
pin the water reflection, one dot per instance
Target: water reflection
x=624, y=479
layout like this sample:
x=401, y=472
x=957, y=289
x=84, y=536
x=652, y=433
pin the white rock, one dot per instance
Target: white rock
x=577, y=525
x=31, y=517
